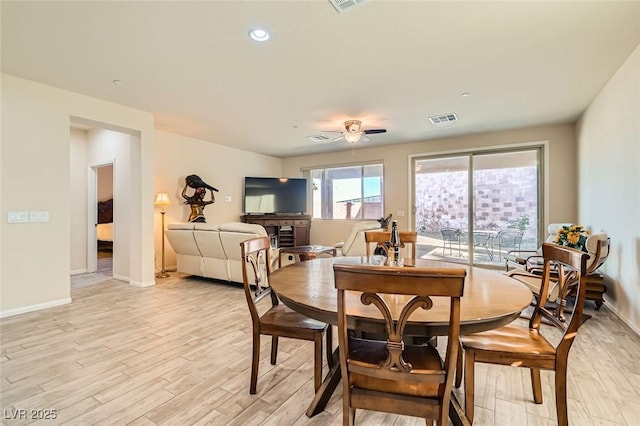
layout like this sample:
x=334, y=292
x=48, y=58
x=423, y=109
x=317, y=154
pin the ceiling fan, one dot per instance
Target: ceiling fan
x=354, y=133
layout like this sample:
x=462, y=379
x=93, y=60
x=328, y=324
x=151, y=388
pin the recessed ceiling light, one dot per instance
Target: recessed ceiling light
x=259, y=34
x=466, y=94
x=118, y=82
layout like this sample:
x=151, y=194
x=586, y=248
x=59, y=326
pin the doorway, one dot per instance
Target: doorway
x=475, y=207
x=104, y=219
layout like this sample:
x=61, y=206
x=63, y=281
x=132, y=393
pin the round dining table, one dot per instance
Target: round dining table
x=490, y=300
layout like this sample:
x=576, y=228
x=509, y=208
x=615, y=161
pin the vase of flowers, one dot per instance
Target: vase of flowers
x=574, y=236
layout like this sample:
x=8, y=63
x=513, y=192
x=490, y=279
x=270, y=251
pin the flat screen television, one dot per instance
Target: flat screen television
x=267, y=195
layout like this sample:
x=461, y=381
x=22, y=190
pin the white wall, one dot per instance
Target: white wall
x=78, y=200
x=562, y=198
x=34, y=175
x=106, y=146
x=608, y=136
x=220, y=166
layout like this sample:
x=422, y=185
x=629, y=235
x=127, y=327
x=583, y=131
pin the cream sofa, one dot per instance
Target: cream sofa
x=211, y=250
x=354, y=244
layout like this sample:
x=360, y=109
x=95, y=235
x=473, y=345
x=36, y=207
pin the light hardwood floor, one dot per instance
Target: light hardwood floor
x=179, y=353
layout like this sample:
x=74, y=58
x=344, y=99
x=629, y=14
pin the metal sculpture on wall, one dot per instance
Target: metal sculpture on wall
x=197, y=199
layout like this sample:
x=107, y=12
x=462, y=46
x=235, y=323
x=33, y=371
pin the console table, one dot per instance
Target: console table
x=288, y=230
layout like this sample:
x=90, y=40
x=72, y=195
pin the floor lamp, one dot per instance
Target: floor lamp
x=162, y=200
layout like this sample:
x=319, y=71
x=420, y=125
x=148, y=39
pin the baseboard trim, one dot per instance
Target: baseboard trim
x=79, y=271
x=134, y=283
x=120, y=278
x=611, y=307
x=32, y=308
x=142, y=284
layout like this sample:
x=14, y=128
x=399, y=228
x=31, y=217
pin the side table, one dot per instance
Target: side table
x=596, y=287
x=306, y=252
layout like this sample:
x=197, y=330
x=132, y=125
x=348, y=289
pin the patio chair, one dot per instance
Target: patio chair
x=450, y=236
x=483, y=240
x=509, y=238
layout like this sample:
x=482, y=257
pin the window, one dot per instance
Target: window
x=350, y=192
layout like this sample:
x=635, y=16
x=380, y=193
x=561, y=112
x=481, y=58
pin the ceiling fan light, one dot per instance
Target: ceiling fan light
x=352, y=137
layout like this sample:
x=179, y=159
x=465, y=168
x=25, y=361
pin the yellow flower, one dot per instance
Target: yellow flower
x=573, y=238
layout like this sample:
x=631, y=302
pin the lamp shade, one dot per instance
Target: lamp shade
x=162, y=199
x=353, y=137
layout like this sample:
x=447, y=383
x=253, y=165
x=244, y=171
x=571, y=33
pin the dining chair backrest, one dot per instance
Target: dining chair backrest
x=384, y=371
x=255, y=273
x=381, y=238
x=567, y=267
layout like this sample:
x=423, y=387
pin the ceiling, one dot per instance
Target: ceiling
x=391, y=64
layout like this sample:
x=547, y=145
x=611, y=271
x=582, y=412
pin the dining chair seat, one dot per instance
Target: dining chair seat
x=511, y=340
x=286, y=322
x=422, y=358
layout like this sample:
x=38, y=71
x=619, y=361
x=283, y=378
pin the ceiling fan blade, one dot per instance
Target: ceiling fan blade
x=330, y=131
x=363, y=138
x=338, y=138
x=373, y=131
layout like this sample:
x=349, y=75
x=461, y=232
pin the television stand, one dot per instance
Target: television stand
x=289, y=230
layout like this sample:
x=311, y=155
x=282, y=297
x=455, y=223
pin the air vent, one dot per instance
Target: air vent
x=441, y=120
x=318, y=138
x=344, y=5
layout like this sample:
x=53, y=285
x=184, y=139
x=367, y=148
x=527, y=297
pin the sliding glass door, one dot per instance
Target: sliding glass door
x=476, y=207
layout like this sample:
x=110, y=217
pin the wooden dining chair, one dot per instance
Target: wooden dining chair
x=526, y=347
x=381, y=238
x=598, y=248
x=393, y=376
x=278, y=320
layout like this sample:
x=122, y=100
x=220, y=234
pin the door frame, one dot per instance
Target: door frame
x=543, y=175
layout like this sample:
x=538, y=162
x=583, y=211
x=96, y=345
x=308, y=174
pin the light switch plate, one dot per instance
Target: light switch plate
x=227, y=198
x=18, y=217
x=400, y=213
x=39, y=217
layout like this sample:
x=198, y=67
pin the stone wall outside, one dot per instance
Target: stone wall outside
x=503, y=198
